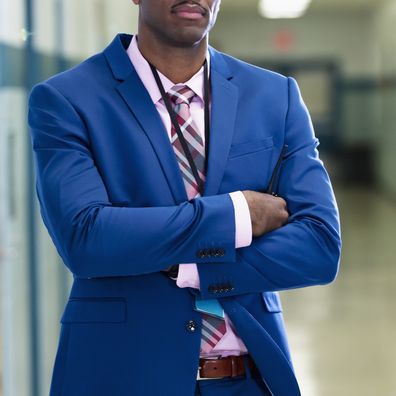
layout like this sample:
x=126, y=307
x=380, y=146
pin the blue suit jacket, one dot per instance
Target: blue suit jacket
x=113, y=200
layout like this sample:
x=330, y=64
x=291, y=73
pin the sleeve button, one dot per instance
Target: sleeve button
x=200, y=253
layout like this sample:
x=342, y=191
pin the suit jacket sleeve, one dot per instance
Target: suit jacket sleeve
x=96, y=239
x=306, y=250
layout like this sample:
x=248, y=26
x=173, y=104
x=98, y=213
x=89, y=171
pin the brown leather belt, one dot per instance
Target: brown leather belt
x=230, y=366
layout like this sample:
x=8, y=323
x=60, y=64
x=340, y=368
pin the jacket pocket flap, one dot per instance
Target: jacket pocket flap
x=94, y=310
x=250, y=147
x=272, y=301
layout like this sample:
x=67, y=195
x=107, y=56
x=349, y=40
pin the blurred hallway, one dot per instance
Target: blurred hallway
x=343, y=335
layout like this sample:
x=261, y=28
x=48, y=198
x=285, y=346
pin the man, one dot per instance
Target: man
x=159, y=162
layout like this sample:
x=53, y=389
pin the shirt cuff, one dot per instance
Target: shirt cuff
x=188, y=276
x=243, y=222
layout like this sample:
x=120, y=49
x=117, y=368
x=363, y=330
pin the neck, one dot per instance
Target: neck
x=179, y=64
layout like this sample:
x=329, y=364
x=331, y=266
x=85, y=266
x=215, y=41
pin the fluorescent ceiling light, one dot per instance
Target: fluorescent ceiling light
x=283, y=8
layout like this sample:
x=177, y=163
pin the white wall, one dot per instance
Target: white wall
x=384, y=23
x=341, y=37
x=12, y=22
x=15, y=319
x=14, y=292
x=90, y=25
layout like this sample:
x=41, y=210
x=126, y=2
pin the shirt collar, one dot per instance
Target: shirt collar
x=142, y=67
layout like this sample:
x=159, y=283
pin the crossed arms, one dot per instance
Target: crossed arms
x=96, y=239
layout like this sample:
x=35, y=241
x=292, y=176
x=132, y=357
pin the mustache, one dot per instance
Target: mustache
x=192, y=2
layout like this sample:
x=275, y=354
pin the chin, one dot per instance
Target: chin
x=188, y=38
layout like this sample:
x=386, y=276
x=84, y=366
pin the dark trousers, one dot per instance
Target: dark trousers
x=246, y=385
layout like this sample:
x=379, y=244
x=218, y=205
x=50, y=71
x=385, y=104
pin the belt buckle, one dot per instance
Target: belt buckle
x=199, y=378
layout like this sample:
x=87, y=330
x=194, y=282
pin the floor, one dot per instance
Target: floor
x=343, y=335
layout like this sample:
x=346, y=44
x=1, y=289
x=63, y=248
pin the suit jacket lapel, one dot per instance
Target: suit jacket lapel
x=223, y=111
x=223, y=114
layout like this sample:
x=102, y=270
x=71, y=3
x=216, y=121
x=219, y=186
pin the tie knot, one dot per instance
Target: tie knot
x=181, y=94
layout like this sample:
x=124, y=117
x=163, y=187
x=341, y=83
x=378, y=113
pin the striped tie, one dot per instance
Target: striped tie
x=213, y=328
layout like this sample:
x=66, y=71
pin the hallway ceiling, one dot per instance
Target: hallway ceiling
x=317, y=5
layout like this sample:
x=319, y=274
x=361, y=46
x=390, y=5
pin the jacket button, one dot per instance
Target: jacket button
x=191, y=326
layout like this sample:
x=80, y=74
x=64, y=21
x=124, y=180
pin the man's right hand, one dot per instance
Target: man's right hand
x=266, y=211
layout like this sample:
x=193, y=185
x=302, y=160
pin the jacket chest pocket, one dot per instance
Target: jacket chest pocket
x=248, y=166
x=246, y=148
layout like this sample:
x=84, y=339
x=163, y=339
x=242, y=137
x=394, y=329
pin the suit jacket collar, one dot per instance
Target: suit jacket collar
x=224, y=107
x=143, y=70
x=120, y=63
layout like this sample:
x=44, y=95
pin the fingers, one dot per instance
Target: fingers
x=268, y=212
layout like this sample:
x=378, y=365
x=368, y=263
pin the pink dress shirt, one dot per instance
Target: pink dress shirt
x=230, y=343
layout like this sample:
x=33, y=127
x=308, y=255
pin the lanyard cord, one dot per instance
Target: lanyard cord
x=176, y=125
